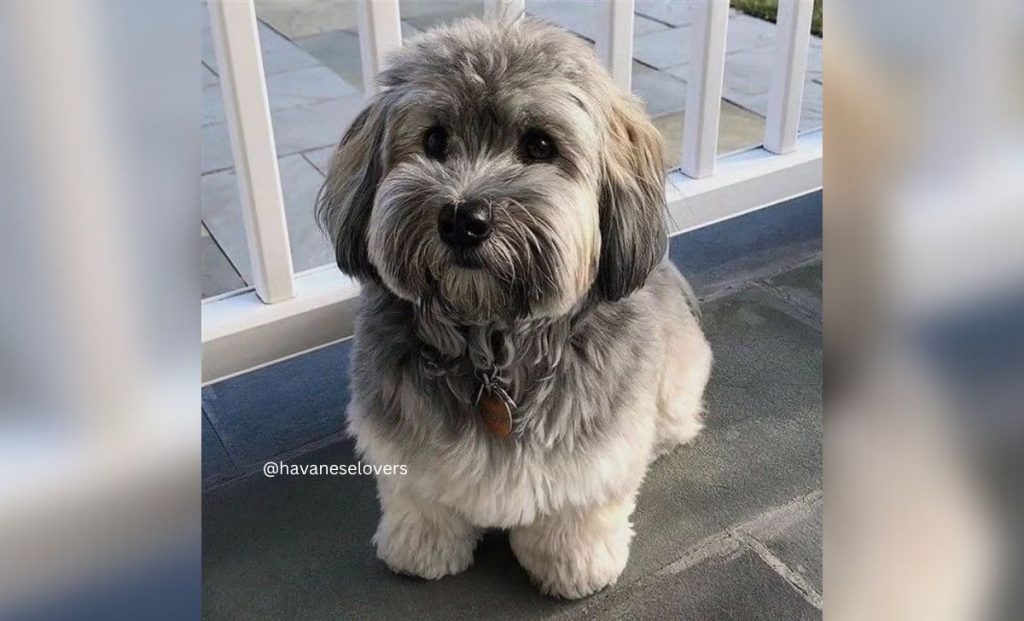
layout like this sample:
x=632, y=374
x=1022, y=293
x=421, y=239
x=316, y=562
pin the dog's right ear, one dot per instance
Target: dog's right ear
x=345, y=200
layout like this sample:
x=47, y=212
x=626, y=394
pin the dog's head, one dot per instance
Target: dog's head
x=500, y=174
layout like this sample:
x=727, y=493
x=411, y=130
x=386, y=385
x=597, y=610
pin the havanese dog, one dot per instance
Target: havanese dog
x=523, y=345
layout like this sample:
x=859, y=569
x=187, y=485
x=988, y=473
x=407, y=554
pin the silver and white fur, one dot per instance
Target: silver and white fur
x=570, y=301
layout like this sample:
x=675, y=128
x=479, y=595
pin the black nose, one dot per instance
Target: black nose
x=464, y=225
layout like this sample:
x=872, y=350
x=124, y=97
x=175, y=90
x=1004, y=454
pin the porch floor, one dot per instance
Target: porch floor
x=728, y=527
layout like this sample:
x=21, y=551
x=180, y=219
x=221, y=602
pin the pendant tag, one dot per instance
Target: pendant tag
x=496, y=410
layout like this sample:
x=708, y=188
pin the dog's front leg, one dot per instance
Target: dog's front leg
x=422, y=539
x=576, y=552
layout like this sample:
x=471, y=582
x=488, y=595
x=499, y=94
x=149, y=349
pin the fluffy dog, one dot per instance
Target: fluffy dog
x=522, y=345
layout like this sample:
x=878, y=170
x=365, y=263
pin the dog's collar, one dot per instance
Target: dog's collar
x=491, y=400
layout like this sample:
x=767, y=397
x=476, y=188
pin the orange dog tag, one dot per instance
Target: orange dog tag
x=496, y=413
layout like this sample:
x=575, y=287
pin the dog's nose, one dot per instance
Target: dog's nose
x=464, y=225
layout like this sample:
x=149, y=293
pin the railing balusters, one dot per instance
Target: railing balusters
x=252, y=143
x=380, y=31
x=792, y=39
x=615, y=40
x=704, y=88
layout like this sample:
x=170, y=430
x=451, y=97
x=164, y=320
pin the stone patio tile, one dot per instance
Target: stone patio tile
x=766, y=241
x=581, y=17
x=796, y=540
x=285, y=90
x=280, y=407
x=738, y=129
x=306, y=86
x=216, y=463
x=218, y=274
x=279, y=54
x=671, y=12
x=300, y=182
x=339, y=51
x=748, y=32
x=425, y=15
x=736, y=585
x=801, y=286
x=814, y=60
x=748, y=76
x=661, y=92
x=762, y=444
x=671, y=48
x=315, y=126
x=663, y=49
x=295, y=130
x=812, y=110
x=303, y=551
x=320, y=158
x=302, y=19
x=209, y=77
x=216, y=148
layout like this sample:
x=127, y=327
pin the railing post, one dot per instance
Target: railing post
x=504, y=8
x=380, y=31
x=252, y=144
x=792, y=39
x=704, y=88
x=615, y=40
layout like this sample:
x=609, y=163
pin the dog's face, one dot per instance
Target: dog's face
x=499, y=175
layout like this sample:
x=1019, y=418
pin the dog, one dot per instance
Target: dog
x=523, y=345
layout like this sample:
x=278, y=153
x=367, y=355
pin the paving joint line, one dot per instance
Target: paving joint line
x=792, y=577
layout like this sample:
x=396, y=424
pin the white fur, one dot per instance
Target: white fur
x=569, y=517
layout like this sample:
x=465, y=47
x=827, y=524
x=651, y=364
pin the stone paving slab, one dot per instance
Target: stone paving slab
x=275, y=410
x=302, y=19
x=736, y=585
x=209, y=77
x=216, y=464
x=758, y=245
x=707, y=518
x=671, y=12
x=580, y=17
x=800, y=290
x=339, y=50
x=738, y=129
x=320, y=158
x=218, y=275
x=222, y=213
x=671, y=48
x=747, y=81
x=297, y=129
x=795, y=537
x=285, y=90
x=279, y=54
x=661, y=92
x=426, y=15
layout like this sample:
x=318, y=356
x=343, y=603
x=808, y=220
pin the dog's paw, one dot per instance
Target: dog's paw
x=429, y=545
x=572, y=565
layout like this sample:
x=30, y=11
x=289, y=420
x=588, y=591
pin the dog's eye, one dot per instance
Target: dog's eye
x=435, y=143
x=538, y=146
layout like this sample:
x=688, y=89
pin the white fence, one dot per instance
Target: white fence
x=287, y=314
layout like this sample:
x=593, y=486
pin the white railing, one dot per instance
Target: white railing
x=287, y=314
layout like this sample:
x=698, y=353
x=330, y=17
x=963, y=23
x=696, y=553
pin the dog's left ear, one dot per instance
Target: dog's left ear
x=346, y=198
x=632, y=201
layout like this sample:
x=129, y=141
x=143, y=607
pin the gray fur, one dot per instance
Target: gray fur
x=570, y=313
